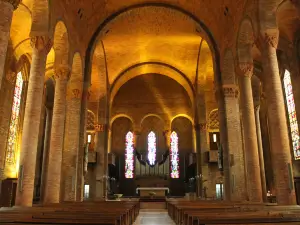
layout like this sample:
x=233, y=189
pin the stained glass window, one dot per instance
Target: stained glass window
x=292, y=113
x=14, y=121
x=151, y=148
x=129, y=156
x=174, y=156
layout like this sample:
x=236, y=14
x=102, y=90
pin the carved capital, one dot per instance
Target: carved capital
x=230, y=91
x=76, y=93
x=202, y=127
x=41, y=43
x=62, y=73
x=245, y=69
x=14, y=3
x=271, y=39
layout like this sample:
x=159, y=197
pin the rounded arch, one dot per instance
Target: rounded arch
x=152, y=68
x=184, y=116
x=121, y=116
x=245, y=41
x=77, y=70
x=150, y=115
x=208, y=36
x=61, y=44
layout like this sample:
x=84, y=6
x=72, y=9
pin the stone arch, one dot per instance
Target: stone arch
x=61, y=45
x=150, y=115
x=183, y=126
x=152, y=68
x=119, y=116
x=119, y=128
x=182, y=115
x=40, y=18
x=76, y=80
x=245, y=42
x=208, y=36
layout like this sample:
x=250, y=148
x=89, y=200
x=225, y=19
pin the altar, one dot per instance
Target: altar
x=159, y=191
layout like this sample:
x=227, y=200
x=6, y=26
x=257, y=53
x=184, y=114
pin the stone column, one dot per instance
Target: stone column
x=71, y=144
x=250, y=136
x=41, y=47
x=82, y=143
x=260, y=154
x=101, y=163
x=52, y=194
x=279, y=138
x=6, y=11
x=101, y=149
x=231, y=143
x=46, y=151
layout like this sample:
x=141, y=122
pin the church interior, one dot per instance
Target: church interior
x=124, y=112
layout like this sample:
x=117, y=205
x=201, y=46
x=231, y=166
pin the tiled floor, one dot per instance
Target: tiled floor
x=153, y=217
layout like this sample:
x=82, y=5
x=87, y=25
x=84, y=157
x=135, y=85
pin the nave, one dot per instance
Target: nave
x=153, y=217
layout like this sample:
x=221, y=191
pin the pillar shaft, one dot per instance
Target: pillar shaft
x=31, y=124
x=46, y=151
x=6, y=11
x=279, y=138
x=82, y=144
x=231, y=143
x=261, y=155
x=71, y=145
x=52, y=194
x=250, y=136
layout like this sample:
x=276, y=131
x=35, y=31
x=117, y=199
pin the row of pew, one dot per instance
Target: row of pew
x=199, y=212
x=102, y=213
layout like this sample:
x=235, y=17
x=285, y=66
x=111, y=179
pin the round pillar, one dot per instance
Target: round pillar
x=41, y=46
x=250, y=136
x=52, y=194
x=71, y=144
x=279, y=138
x=6, y=11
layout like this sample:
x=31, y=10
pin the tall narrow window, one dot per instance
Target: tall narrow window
x=14, y=121
x=292, y=113
x=174, y=156
x=151, y=148
x=129, y=157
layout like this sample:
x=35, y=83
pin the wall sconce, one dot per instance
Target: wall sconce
x=89, y=138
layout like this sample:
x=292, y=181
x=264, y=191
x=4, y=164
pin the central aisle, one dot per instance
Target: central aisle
x=153, y=217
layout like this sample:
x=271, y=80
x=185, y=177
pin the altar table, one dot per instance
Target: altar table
x=159, y=191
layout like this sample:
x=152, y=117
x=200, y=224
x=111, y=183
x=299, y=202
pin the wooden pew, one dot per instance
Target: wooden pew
x=206, y=212
x=110, y=213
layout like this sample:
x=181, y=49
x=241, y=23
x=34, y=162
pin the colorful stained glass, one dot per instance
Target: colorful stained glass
x=174, y=156
x=292, y=113
x=151, y=148
x=129, y=156
x=14, y=121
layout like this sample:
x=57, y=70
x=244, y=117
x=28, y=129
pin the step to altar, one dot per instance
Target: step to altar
x=153, y=205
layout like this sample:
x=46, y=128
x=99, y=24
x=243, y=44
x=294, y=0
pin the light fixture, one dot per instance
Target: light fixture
x=89, y=138
x=215, y=137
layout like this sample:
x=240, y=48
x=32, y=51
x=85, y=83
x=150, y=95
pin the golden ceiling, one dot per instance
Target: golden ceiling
x=135, y=32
